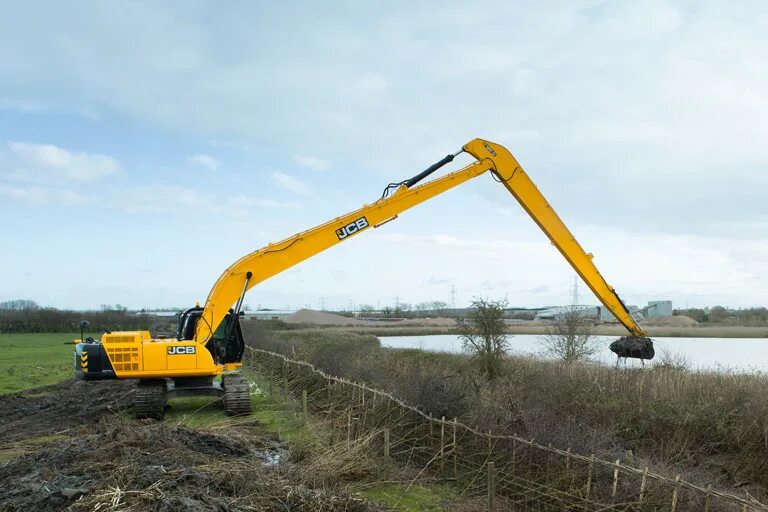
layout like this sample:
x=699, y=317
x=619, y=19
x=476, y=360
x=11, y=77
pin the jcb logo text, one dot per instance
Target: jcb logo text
x=174, y=351
x=352, y=228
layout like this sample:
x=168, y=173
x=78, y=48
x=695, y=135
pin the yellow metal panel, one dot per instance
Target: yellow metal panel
x=154, y=356
x=182, y=355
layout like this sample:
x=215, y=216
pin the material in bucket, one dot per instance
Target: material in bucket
x=638, y=347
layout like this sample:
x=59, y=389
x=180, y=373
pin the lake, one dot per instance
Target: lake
x=721, y=354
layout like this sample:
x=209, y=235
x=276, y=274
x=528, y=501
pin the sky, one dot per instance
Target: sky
x=145, y=146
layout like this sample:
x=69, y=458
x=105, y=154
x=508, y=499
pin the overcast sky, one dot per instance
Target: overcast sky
x=145, y=146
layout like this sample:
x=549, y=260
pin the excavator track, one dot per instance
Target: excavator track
x=149, y=401
x=237, y=395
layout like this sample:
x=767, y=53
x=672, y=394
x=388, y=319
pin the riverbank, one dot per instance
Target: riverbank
x=709, y=426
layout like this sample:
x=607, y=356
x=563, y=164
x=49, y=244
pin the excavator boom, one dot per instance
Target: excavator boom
x=268, y=261
x=209, y=341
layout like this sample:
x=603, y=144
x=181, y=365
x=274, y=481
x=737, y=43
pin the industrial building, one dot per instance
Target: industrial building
x=654, y=309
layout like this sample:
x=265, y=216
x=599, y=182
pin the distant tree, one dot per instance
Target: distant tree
x=439, y=306
x=366, y=308
x=422, y=308
x=19, y=305
x=570, y=338
x=718, y=314
x=482, y=335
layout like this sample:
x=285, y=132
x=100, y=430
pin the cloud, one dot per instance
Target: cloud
x=40, y=196
x=164, y=199
x=43, y=162
x=311, y=162
x=292, y=183
x=205, y=161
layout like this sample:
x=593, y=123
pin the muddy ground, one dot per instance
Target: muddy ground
x=74, y=446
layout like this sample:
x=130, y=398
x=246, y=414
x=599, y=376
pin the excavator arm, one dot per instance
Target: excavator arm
x=268, y=261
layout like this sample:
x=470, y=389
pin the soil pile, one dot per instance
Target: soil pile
x=671, y=321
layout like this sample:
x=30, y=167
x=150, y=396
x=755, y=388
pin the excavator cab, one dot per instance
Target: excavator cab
x=226, y=345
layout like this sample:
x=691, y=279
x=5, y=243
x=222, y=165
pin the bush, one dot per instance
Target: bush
x=482, y=334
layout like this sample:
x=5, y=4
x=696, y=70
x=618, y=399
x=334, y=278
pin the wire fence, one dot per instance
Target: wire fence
x=511, y=472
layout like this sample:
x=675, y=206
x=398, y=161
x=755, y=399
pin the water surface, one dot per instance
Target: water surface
x=737, y=354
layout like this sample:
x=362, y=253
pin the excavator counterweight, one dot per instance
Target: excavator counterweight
x=209, y=341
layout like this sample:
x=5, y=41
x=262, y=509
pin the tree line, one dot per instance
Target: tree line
x=721, y=315
x=23, y=316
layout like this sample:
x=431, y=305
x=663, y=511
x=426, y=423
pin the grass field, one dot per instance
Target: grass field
x=32, y=360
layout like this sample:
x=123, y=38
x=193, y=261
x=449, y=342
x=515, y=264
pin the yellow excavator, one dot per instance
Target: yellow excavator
x=209, y=341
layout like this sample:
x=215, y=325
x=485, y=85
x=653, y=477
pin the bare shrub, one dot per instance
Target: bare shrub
x=571, y=338
x=482, y=335
x=674, y=361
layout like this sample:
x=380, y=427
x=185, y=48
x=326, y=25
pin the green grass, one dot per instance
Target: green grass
x=32, y=360
x=275, y=413
x=402, y=498
x=195, y=412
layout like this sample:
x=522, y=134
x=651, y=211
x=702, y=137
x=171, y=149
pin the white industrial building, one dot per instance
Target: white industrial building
x=654, y=309
x=268, y=314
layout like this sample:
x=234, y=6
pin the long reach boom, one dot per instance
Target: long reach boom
x=268, y=261
x=210, y=343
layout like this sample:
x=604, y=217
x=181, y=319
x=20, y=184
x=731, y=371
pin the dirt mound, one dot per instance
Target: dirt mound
x=310, y=316
x=672, y=321
x=55, y=409
x=148, y=465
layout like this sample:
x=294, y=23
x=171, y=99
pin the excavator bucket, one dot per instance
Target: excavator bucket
x=638, y=347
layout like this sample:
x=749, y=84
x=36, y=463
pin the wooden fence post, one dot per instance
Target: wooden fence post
x=708, y=499
x=455, y=454
x=675, y=492
x=285, y=376
x=349, y=427
x=386, y=444
x=549, y=454
x=491, y=486
x=442, y=436
x=643, y=483
x=490, y=443
x=616, y=480
x=589, y=475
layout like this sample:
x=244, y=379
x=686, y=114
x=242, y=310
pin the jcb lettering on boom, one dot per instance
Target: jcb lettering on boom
x=352, y=228
x=173, y=351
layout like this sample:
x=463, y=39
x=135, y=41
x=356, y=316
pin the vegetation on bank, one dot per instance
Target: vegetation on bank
x=712, y=427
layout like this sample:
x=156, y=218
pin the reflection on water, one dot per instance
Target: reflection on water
x=738, y=354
